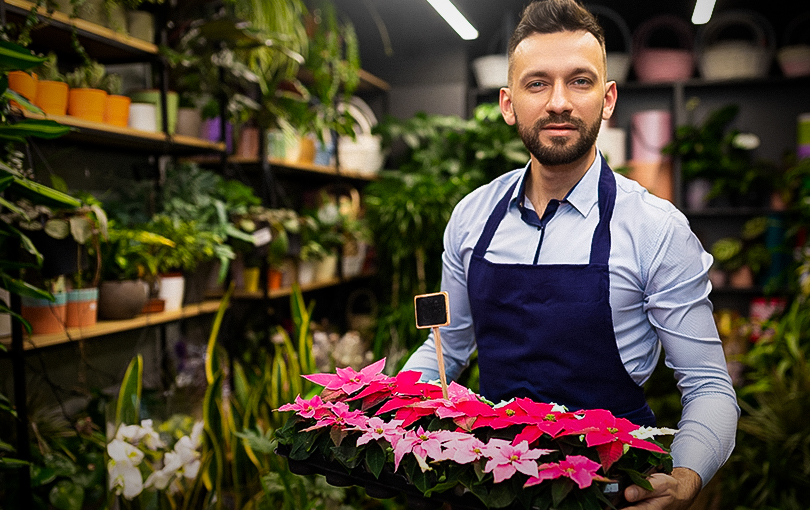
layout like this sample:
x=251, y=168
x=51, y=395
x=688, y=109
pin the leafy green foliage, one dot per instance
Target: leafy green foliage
x=770, y=466
x=444, y=158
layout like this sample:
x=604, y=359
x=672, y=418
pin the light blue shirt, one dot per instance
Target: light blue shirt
x=659, y=296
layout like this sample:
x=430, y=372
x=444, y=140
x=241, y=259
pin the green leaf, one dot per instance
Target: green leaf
x=127, y=409
x=58, y=228
x=375, y=458
x=41, y=475
x=560, y=488
x=66, y=495
x=638, y=478
x=14, y=57
x=41, y=194
x=47, y=129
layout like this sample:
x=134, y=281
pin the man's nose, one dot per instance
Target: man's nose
x=559, y=101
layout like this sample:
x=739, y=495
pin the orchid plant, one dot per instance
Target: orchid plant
x=521, y=452
x=138, y=450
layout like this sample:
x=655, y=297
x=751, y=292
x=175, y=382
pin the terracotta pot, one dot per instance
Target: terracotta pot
x=24, y=84
x=52, y=97
x=45, y=316
x=274, y=279
x=116, y=110
x=248, y=142
x=82, y=307
x=306, y=152
x=87, y=104
x=121, y=300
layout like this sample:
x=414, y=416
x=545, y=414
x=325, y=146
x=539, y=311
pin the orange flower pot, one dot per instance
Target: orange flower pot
x=45, y=316
x=24, y=84
x=52, y=97
x=116, y=110
x=82, y=306
x=274, y=278
x=87, y=104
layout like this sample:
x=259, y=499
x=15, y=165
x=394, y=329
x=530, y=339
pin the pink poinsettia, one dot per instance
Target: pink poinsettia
x=506, y=459
x=581, y=470
x=381, y=389
x=463, y=449
x=375, y=428
x=421, y=444
x=339, y=415
x=306, y=408
x=349, y=380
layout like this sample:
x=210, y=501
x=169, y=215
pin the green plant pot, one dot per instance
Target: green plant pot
x=153, y=97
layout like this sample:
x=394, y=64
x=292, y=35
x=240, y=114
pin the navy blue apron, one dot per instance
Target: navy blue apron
x=545, y=331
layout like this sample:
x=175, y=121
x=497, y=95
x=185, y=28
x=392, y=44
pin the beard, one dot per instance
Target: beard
x=561, y=151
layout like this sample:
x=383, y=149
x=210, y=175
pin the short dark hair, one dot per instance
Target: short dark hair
x=552, y=16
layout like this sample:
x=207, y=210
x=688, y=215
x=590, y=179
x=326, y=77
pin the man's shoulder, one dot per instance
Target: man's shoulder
x=642, y=206
x=486, y=196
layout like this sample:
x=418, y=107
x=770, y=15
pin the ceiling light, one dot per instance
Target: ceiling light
x=455, y=19
x=703, y=11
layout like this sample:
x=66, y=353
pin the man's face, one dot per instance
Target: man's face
x=558, y=96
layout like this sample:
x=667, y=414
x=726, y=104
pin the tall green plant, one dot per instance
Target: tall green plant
x=770, y=466
x=445, y=158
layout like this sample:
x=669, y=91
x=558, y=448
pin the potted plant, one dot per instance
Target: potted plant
x=116, y=105
x=716, y=162
x=743, y=259
x=52, y=89
x=396, y=435
x=130, y=263
x=87, y=96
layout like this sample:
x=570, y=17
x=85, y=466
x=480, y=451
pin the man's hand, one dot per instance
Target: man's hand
x=671, y=492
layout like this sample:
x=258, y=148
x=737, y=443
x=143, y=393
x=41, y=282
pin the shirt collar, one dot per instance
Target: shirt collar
x=584, y=196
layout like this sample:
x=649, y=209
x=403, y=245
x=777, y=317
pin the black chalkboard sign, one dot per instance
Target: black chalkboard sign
x=432, y=310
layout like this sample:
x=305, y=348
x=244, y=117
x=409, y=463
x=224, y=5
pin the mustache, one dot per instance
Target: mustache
x=559, y=118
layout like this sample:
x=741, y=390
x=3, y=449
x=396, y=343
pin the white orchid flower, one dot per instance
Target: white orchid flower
x=125, y=477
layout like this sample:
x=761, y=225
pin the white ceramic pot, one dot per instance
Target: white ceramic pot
x=171, y=291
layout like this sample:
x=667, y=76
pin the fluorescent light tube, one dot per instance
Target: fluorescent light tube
x=455, y=19
x=703, y=11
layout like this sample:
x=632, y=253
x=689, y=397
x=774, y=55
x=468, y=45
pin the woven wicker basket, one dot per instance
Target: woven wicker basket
x=730, y=59
x=618, y=62
x=663, y=64
x=794, y=56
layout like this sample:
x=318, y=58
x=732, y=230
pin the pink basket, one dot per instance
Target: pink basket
x=663, y=64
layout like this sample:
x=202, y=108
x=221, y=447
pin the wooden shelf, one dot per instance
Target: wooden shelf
x=90, y=131
x=286, y=291
x=102, y=328
x=101, y=42
x=295, y=166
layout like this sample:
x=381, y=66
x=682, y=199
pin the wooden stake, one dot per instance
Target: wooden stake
x=437, y=338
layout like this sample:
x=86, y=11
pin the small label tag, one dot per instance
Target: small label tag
x=262, y=237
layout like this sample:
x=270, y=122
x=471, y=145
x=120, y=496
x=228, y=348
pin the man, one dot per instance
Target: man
x=569, y=279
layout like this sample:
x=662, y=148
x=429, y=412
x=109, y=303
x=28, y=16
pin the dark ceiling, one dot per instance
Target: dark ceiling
x=416, y=29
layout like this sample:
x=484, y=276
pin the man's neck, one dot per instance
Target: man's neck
x=547, y=183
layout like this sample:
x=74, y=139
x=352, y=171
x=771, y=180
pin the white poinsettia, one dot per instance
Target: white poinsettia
x=651, y=432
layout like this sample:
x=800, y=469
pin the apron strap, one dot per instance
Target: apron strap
x=600, y=244
x=493, y=221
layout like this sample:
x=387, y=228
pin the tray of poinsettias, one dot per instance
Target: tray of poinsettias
x=399, y=435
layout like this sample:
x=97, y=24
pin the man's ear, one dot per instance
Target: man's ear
x=507, y=108
x=610, y=100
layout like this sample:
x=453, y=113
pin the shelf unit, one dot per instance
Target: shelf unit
x=103, y=328
x=102, y=42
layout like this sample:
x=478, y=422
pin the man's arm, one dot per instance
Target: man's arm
x=678, y=307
